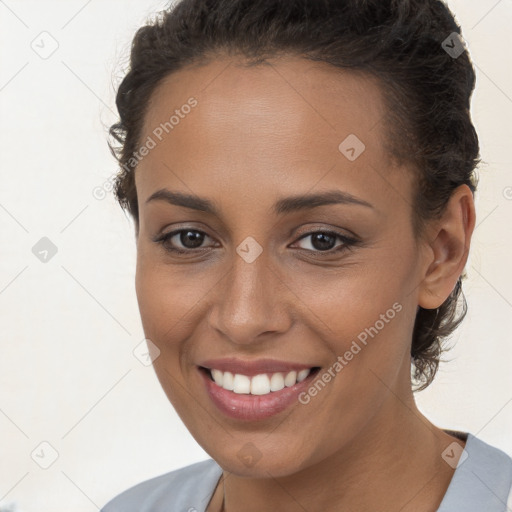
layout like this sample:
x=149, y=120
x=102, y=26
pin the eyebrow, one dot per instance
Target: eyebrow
x=281, y=207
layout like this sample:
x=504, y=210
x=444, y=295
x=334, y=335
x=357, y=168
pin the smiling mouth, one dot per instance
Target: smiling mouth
x=261, y=384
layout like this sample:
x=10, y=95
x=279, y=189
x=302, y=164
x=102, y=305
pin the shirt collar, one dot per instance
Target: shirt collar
x=481, y=481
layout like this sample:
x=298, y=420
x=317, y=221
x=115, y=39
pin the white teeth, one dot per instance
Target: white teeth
x=276, y=382
x=227, y=381
x=290, y=379
x=217, y=377
x=241, y=384
x=260, y=384
x=302, y=375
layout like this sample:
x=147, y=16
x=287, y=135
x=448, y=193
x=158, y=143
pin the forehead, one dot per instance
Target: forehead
x=291, y=81
x=291, y=95
x=283, y=125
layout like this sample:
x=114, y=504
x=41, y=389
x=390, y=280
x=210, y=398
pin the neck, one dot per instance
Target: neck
x=393, y=464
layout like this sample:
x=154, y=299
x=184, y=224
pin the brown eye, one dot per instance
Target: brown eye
x=190, y=239
x=183, y=240
x=325, y=241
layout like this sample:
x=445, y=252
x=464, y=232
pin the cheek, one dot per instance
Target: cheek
x=365, y=316
x=168, y=296
x=355, y=303
x=367, y=330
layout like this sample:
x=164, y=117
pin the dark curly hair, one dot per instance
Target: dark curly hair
x=404, y=44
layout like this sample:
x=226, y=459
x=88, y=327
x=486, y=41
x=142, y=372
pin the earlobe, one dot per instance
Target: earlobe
x=449, y=248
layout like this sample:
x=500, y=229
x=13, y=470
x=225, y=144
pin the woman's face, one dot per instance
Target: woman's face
x=271, y=279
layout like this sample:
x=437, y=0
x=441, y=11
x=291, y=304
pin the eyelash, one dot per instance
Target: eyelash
x=347, y=244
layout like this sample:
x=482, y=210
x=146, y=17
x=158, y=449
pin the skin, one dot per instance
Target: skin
x=257, y=135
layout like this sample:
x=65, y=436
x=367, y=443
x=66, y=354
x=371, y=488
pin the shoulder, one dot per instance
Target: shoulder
x=482, y=479
x=489, y=461
x=185, y=489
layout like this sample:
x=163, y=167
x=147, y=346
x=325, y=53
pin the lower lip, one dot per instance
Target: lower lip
x=254, y=407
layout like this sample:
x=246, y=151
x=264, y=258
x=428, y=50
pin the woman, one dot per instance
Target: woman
x=301, y=177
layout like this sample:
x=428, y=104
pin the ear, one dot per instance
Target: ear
x=449, y=242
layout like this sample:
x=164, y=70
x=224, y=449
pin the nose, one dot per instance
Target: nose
x=250, y=303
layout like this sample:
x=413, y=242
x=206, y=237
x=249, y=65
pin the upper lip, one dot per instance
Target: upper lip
x=253, y=367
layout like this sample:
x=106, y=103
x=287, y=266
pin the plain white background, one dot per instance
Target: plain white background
x=69, y=326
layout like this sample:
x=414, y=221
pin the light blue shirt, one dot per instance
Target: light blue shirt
x=482, y=482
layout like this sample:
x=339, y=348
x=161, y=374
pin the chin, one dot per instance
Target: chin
x=262, y=457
